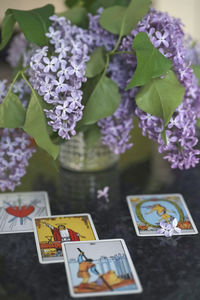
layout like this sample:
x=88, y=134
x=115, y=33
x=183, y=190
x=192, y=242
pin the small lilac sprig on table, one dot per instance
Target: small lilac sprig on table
x=103, y=193
x=168, y=229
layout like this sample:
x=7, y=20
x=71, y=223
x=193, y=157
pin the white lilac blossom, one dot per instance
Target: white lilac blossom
x=115, y=129
x=169, y=229
x=57, y=73
x=167, y=35
x=15, y=152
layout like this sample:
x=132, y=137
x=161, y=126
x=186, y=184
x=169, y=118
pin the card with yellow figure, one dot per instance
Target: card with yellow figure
x=100, y=268
x=51, y=232
x=155, y=215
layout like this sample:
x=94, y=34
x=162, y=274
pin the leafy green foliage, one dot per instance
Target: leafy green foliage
x=7, y=29
x=161, y=96
x=198, y=122
x=33, y=23
x=36, y=125
x=92, y=136
x=150, y=62
x=103, y=98
x=12, y=113
x=122, y=20
x=196, y=70
x=93, y=5
x=97, y=62
x=84, y=3
x=107, y=3
x=77, y=15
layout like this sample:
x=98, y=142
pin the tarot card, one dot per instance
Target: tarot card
x=18, y=209
x=100, y=268
x=51, y=232
x=148, y=212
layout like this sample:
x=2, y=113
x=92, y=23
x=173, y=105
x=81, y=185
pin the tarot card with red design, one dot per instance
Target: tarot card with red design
x=18, y=209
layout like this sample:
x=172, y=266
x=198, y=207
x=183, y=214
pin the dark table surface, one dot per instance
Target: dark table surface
x=168, y=268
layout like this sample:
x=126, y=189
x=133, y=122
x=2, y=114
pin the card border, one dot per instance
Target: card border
x=155, y=234
x=57, y=216
x=47, y=207
x=132, y=267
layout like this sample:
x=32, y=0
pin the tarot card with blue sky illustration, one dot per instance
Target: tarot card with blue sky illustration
x=100, y=268
x=149, y=211
x=18, y=209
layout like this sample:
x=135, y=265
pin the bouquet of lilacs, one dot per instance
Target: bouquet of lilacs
x=92, y=69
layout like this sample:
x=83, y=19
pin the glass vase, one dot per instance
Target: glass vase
x=75, y=155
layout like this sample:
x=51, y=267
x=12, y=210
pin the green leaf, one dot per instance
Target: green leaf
x=107, y=3
x=164, y=137
x=7, y=29
x=150, y=62
x=196, y=70
x=72, y=3
x=77, y=15
x=103, y=99
x=160, y=97
x=122, y=20
x=34, y=23
x=198, y=122
x=84, y=3
x=12, y=113
x=97, y=62
x=36, y=125
x=45, y=12
x=92, y=136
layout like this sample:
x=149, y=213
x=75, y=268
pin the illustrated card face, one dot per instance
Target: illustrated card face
x=51, y=232
x=18, y=209
x=148, y=211
x=100, y=268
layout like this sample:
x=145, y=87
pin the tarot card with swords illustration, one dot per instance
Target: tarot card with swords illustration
x=18, y=209
x=100, y=268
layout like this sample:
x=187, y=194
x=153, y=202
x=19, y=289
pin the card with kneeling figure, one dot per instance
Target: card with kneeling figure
x=159, y=215
x=100, y=268
x=51, y=232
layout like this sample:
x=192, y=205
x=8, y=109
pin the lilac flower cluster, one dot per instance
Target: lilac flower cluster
x=58, y=72
x=16, y=50
x=192, y=51
x=15, y=151
x=166, y=34
x=22, y=90
x=14, y=156
x=115, y=129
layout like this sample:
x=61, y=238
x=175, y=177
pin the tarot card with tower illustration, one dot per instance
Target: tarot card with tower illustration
x=149, y=212
x=18, y=209
x=51, y=232
x=100, y=268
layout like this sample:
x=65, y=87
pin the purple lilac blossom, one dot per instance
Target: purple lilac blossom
x=115, y=129
x=15, y=152
x=16, y=49
x=168, y=229
x=192, y=51
x=167, y=35
x=58, y=77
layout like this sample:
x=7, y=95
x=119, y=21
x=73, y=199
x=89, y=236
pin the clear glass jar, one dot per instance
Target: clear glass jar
x=75, y=155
